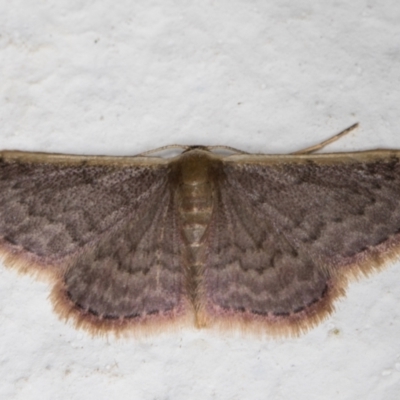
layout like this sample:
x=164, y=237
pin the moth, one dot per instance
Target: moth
x=262, y=243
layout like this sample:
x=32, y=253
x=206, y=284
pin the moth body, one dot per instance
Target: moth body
x=195, y=200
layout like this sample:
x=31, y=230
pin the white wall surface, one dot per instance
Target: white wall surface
x=122, y=77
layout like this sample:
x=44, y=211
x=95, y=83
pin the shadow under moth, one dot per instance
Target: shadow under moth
x=262, y=243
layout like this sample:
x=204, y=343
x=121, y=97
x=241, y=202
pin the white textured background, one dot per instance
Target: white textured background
x=121, y=77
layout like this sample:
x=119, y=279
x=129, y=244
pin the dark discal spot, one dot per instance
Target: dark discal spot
x=240, y=309
x=337, y=219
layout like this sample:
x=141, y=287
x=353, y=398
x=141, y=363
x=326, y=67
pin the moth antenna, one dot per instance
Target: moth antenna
x=158, y=149
x=219, y=147
x=319, y=146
